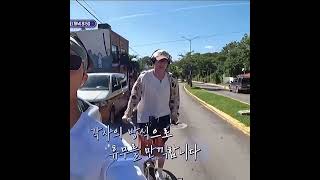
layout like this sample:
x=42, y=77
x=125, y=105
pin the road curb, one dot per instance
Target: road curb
x=235, y=123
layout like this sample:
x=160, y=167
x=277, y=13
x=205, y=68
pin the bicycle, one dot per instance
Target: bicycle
x=150, y=169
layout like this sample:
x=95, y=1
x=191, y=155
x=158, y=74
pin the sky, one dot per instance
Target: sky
x=149, y=24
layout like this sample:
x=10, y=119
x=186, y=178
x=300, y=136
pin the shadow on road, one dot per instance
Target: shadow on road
x=244, y=92
x=213, y=89
x=220, y=89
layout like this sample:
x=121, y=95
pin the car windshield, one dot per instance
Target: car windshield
x=97, y=82
x=234, y=80
x=245, y=81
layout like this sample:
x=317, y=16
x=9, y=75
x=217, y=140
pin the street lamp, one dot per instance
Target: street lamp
x=190, y=39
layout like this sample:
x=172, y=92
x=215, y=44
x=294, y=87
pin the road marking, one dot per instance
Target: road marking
x=240, y=126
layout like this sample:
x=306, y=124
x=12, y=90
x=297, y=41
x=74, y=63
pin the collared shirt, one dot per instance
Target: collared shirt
x=150, y=97
x=90, y=155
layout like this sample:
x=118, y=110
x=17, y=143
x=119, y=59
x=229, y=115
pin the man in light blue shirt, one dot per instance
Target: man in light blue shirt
x=89, y=150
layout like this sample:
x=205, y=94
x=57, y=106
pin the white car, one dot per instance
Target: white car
x=109, y=91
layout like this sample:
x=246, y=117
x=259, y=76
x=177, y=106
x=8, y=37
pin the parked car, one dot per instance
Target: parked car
x=109, y=91
x=240, y=84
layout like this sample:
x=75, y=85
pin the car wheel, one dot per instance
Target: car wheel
x=112, y=115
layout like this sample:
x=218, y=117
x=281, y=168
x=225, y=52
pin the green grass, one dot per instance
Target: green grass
x=227, y=105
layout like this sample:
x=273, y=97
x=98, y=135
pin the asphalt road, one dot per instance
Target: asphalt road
x=225, y=151
x=218, y=90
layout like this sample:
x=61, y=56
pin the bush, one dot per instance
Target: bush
x=216, y=78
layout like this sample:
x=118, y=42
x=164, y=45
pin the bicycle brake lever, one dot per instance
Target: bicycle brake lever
x=130, y=121
x=175, y=123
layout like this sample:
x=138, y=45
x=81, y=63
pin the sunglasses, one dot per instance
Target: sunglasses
x=163, y=60
x=75, y=62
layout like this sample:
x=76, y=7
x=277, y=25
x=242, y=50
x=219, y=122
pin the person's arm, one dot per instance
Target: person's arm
x=134, y=98
x=174, y=99
x=124, y=170
x=127, y=168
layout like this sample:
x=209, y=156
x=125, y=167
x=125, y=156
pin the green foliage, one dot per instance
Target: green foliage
x=144, y=63
x=229, y=62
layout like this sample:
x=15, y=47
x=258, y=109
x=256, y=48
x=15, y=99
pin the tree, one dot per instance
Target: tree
x=132, y=57
x=230, y=61
x=174, y=69
x=144, y=62
x=237, y=56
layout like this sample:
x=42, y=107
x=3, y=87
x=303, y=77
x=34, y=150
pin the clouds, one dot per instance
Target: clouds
x=131, y=16
x=211, y=5
x=213, y=48
x=178, y=10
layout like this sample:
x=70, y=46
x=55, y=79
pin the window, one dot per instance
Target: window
x=235, y=80
x=115, y=84
x=97, y=82
x=245, y=81
x=115, y=53
x=124, y=59
x=123, y=81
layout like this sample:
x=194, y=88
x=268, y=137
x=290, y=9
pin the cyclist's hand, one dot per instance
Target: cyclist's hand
x=125, y=119
x=175, y=121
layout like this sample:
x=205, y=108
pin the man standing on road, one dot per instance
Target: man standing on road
x=89, y=150
x=155, y=95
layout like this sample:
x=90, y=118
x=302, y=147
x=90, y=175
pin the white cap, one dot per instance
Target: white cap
x=161, y=54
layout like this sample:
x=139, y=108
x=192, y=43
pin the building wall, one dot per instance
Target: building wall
x=98, y=48
x=122, y=47
x=119, y=41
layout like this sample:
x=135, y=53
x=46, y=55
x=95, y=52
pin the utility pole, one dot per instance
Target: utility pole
x=208, y=75
x=190, y=72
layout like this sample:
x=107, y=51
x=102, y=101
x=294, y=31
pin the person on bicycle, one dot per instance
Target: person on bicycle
x=89, y=151
x=155, y=98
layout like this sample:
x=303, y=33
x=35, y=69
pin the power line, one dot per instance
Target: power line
x=159, y=43
x=99, y=20
x=89, y=12
x=135, y=51
x=201, y=37
x=91, y=9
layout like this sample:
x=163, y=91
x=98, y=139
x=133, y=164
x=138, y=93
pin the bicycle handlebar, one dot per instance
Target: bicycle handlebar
x=129, y=120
